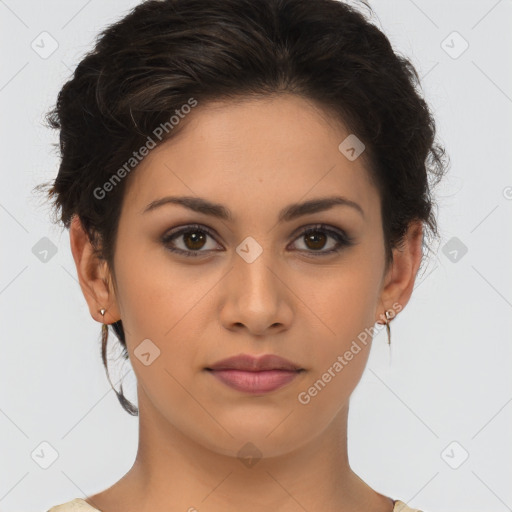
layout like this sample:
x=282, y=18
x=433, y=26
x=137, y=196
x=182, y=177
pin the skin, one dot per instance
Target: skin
x=255, y=157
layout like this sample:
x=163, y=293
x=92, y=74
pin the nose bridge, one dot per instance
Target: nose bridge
x=253, y=264
x=255, y=298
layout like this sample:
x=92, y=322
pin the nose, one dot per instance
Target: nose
x=256, y=297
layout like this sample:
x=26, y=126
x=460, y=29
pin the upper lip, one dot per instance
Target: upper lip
x=250, y=363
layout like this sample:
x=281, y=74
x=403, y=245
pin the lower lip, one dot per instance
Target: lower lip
x=255, y=382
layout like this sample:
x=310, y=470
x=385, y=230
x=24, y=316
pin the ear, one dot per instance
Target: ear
x=401, y=276
x=93, y=275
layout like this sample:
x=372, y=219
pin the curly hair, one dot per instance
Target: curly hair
x=147, y=65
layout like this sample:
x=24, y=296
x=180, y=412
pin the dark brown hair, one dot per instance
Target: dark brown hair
x=150, y=63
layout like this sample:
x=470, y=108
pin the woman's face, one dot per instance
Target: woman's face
x=252, y=283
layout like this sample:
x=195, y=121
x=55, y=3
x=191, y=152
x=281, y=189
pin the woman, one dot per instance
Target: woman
x=248, y=188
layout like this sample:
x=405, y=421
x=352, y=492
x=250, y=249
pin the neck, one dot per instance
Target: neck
x=173, y=470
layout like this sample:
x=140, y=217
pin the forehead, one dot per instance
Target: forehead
x=281, y=148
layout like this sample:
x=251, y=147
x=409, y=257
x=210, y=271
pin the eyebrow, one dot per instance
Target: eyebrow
x=287, y=214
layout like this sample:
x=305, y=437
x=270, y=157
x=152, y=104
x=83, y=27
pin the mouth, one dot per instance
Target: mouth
x=255, y=382
x=250, y=374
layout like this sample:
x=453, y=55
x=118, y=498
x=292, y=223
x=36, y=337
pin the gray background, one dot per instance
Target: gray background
x=445, y=393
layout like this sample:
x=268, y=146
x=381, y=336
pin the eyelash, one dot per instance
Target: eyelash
x=342, y=239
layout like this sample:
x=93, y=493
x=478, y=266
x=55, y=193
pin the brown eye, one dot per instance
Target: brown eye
x=192, y=239
x=316, y=238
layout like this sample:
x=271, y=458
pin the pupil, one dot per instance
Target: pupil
x=316, y=239
x=197, y=240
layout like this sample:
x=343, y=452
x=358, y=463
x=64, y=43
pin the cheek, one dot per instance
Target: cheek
x=165, y=304
x=153, y=293
x=157, y=309
x=340, y=317
x=329, y=388
x=340, y=300
x=340, y=349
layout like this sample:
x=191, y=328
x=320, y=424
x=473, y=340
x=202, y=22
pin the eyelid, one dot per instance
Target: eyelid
x=188, y=227
x=323, y=227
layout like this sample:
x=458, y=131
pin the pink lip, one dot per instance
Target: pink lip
x=255, y=374
x=255, y=382
x=250, y=363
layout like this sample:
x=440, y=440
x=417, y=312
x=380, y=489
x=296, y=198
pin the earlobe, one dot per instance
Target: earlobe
x=93, y=275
